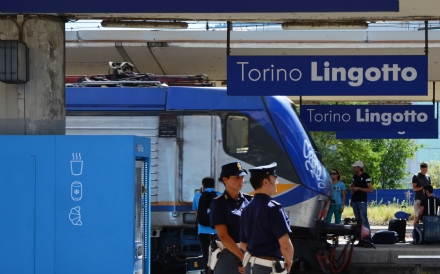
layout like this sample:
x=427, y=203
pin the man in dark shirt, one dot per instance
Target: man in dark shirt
x=360, y=187
x=419, y=181
x=206, y=233
x=429, y=205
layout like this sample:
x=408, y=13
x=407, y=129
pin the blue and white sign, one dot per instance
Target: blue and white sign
x=387, y=134
x=196, y=6
x=369, y=117
x=328, y=75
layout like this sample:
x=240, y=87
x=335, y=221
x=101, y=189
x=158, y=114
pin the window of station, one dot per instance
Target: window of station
x=237, y=134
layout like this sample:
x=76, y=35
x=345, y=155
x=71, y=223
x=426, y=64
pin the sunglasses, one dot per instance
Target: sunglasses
x=334, y=173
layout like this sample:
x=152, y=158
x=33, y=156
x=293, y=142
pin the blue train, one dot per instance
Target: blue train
x=195, y=130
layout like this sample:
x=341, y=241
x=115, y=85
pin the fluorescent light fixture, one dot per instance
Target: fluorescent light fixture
x=14, y=62
x=143, y=24
x=323, y=25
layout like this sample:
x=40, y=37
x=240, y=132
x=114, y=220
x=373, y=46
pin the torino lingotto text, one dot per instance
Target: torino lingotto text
x=364, y=115
x=355, y=75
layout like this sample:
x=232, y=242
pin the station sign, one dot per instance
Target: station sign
x=390, y=75
x=197, y=6
x=432, y=134
x=362, y=118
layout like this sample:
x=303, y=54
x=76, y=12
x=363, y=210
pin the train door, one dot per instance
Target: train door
x=199, y=152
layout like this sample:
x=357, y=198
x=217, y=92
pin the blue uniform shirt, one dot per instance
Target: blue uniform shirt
x=201, y=228
x=227, y=211
x=263, y=222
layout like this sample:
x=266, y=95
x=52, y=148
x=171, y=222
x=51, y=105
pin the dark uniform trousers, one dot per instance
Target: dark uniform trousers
x=227, y=263
x=257, y=269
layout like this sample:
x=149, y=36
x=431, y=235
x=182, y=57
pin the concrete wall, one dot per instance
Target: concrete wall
x=37, y=107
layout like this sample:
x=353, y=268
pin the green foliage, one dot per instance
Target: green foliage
x=393, y=154
x=434, y=172
x=384, y=159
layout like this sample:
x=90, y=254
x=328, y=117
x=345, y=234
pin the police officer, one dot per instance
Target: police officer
x=265, y=227
x=225, y=218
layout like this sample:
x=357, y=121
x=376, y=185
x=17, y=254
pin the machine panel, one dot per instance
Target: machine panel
x=75, y=204
x=17, y=199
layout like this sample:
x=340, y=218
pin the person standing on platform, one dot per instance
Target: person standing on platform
x=265, y=227
x=225, y=218
x=202, y=201
x=360, y=187
x=338, y=198
x=418, y=182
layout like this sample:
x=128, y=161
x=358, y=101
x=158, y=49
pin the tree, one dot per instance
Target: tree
x=434, y=172
x=384, y=159
x=393, y=154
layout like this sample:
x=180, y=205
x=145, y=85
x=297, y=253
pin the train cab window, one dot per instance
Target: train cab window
x=237, y=134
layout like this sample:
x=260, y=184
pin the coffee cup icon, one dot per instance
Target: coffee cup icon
x=76, y=165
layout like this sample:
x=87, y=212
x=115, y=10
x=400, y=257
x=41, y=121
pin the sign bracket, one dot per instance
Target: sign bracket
x=228, y=38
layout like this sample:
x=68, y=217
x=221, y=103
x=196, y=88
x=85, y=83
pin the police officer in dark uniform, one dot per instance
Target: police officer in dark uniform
x=225, y=218
x=265, y=227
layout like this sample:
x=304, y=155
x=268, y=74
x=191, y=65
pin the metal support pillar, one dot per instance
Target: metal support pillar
x=228, y=37
x=37, y=107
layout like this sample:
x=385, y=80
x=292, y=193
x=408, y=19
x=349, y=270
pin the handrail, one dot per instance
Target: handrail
x=176, y=174
x=217, y=163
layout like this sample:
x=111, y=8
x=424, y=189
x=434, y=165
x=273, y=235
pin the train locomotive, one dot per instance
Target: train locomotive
x=195, y=128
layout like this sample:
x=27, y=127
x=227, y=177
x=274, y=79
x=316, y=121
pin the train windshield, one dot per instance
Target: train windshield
x=298, y=144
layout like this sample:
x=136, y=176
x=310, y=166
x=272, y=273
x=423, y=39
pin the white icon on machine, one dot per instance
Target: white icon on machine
x=76, y=165
x=75, y=216
x=76, y=191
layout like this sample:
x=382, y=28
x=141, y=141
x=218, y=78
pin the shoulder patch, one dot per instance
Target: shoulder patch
x=275, y=203
x=248, y=196
x=219, y=197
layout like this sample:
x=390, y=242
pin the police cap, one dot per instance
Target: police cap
x=263, y=170
x=234, y=169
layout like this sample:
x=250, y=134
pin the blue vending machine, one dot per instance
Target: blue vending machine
x=74, y=204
